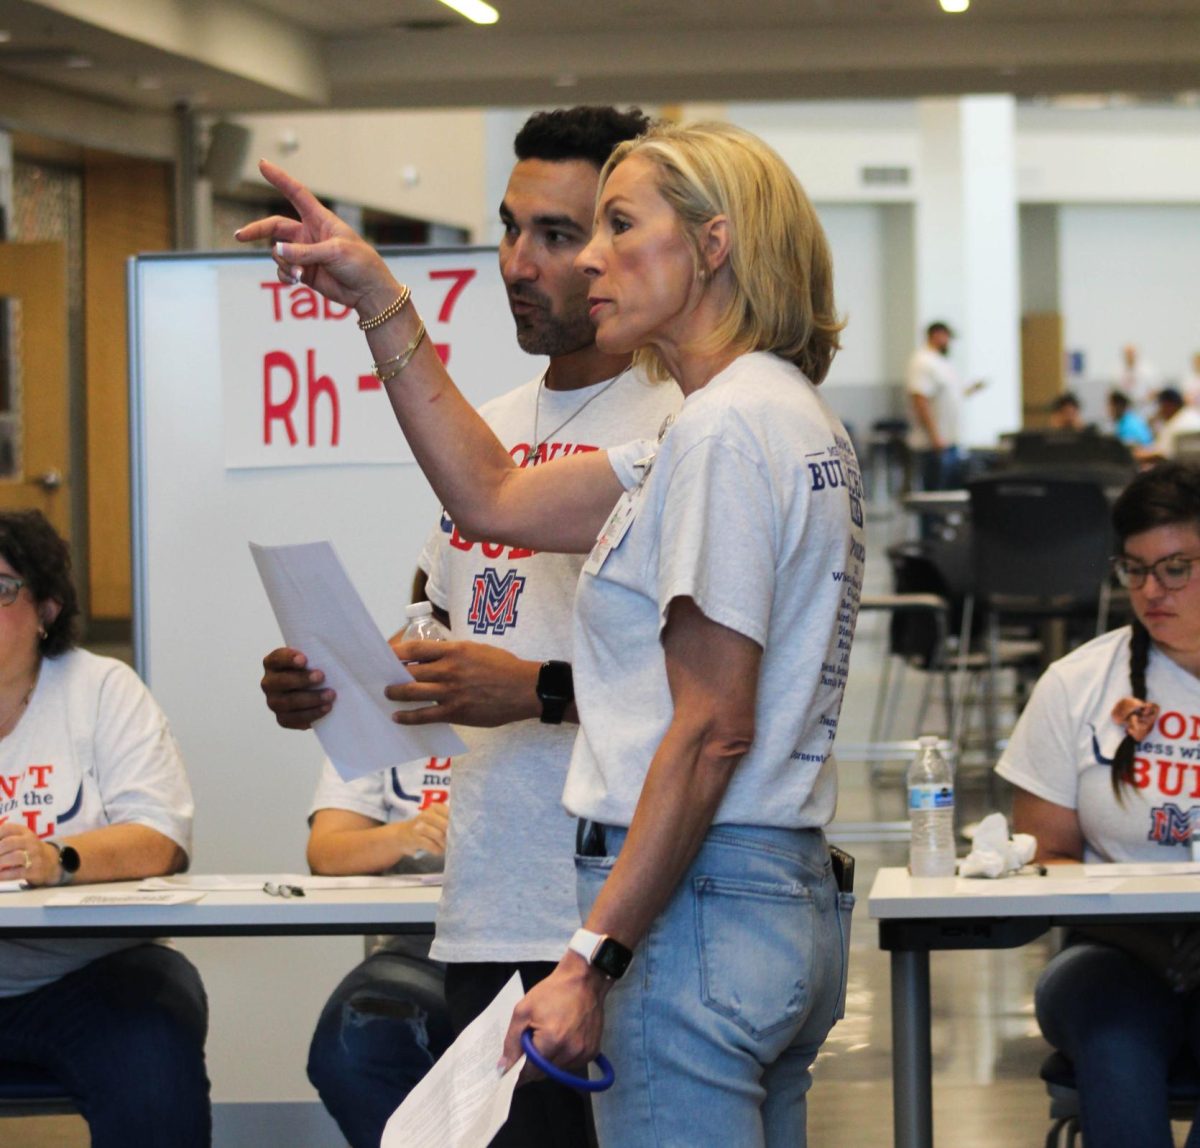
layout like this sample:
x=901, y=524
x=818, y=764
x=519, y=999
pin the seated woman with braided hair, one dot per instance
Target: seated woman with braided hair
x=1104, y=759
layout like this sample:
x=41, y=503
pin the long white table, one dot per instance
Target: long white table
x=919, y=915
x=408, y=909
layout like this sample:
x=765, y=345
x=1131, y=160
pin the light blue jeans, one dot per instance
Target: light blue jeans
x=712, y=1030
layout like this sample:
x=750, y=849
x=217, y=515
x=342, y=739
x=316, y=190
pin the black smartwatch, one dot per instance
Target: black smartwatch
x=555, y=690
x=68, y=861
x=602, y=953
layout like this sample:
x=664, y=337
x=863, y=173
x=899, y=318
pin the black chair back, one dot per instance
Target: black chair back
x=1041, y=543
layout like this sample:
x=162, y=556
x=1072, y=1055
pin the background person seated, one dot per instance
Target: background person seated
x=387, y=1022
x=1129, y=426
x=93, y=790
x=1066, y=413
x=1175, y=418
x=1099, y=759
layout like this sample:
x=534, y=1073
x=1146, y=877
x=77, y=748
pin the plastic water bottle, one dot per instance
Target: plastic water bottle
x=931, y=809
x=423, y=625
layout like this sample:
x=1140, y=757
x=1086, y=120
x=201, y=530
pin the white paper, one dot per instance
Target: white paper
x=1042, y=886
x=1142, y=869
x=462, y=1100
x=12, y=886
x=242, y=883
x=320, y=612
x=86, y=900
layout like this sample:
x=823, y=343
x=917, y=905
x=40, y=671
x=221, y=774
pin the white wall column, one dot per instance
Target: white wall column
x=967, y=250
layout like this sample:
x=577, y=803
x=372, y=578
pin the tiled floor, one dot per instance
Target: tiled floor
x=986, y=1047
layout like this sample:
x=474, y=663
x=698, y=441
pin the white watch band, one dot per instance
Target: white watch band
x=585, y=943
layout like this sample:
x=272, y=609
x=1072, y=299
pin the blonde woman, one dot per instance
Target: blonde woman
x=713, y=621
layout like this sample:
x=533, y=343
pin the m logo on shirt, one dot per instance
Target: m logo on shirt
x=494, y=601
x=1170, y=825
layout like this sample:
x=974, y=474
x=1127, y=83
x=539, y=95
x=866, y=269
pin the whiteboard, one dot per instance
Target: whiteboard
x=201, y=618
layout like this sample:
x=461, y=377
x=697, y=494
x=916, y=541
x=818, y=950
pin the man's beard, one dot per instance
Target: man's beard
x=542, y=333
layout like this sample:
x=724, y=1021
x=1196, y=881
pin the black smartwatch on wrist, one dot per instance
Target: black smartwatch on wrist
x=68, y=861
x=555, y=690
x=604, y=954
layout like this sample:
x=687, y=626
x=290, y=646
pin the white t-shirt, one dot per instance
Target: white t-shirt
x=932, y=375
x=752, y=508
x=93, y=749
x=510, y=882
x=1186, y=420
x=1064, y=742
x=396, y=794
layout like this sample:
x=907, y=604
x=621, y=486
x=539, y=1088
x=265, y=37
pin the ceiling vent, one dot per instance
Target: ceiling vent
x=886, y=176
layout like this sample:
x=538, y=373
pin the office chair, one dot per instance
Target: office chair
x=1040, y=551
x=1183, y=1091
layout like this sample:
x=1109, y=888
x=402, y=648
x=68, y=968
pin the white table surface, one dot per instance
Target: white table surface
x=401, y=909
x=1064, y=892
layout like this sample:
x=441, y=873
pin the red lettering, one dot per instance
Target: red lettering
x=458, y=541
x=8, y=785
x=1195, y=727
x=583, y=448
x=282, y=412
x=520, y=454
x=433, y=797
x=334, y=310
x=443, y=352
x=1178, y=724
x=517, y=553
x=276, y=290
x=437, y=764
x=321, y=385
x=39, y=775
x=305, y=303
x=31, y=817
x=492, y=549
x=1195, y=782
x=1141, y=772
x=1164, y=771
x=459, y=281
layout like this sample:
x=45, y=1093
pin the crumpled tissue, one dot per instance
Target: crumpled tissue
x=993, y=852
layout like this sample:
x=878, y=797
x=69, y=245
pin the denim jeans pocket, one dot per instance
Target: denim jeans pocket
x=756, y=951
x=845, y=915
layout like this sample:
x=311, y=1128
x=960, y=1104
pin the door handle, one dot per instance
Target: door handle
x=50, y=480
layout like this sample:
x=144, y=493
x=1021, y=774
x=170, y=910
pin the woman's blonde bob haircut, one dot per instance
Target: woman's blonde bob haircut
x=782, y=272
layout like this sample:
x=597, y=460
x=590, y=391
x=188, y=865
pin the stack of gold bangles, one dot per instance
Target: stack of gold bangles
x=400, y=361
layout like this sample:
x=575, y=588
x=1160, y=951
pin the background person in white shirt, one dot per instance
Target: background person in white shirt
x=1175, y=418
x=935, y=397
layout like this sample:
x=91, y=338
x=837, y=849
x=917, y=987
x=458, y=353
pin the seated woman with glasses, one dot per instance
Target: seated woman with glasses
x=1106, y=761
x=92, y=788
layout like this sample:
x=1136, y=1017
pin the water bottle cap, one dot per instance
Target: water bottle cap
x=926, y=740
x=419, y=610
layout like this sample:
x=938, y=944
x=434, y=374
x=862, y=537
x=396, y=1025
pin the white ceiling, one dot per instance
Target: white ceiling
x=238, y=55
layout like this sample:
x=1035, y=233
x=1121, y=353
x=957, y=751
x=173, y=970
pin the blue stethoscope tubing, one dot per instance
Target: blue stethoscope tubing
x=580, y=1083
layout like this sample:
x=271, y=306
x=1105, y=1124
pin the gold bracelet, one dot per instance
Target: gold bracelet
x=394, y=308
x=401, y=360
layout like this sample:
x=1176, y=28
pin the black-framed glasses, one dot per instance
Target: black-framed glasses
x=10, y=587
x=1171, y=572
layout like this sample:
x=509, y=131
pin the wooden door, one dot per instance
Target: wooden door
x=34, y=433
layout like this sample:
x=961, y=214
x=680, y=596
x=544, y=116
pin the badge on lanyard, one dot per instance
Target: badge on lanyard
x=620, y=520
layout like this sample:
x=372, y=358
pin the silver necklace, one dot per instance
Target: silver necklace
x=21, y=704
x=537, y=406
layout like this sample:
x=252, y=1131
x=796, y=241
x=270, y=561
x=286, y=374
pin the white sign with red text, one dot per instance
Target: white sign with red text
x=297, y=386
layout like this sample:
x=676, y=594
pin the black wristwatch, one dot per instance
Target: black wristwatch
x=555, y=690
x=601, y=952
x=68, y=861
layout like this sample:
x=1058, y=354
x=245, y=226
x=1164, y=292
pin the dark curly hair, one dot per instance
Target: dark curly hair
x=1165, y=495
x=585, y=132
x=34, y=549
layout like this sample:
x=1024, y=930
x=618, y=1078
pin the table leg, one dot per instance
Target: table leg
x=912, y=1059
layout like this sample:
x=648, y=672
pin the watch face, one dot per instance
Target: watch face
x=611, y=958
x=555, y=682
x=68, y=858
